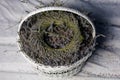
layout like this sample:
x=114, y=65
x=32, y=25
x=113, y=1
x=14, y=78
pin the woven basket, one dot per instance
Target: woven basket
x=60, y=70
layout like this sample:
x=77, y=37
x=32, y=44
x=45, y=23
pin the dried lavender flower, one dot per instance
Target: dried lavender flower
x=55, y=38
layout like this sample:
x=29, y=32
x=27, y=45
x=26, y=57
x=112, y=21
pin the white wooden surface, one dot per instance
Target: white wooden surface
x=104, y=64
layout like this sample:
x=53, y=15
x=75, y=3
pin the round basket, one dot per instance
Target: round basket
x=60, y=70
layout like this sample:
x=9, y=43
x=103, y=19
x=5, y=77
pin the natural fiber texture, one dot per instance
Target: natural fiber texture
x=56, y=38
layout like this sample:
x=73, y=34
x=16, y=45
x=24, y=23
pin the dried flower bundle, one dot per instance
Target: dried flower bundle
x=56, y=38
